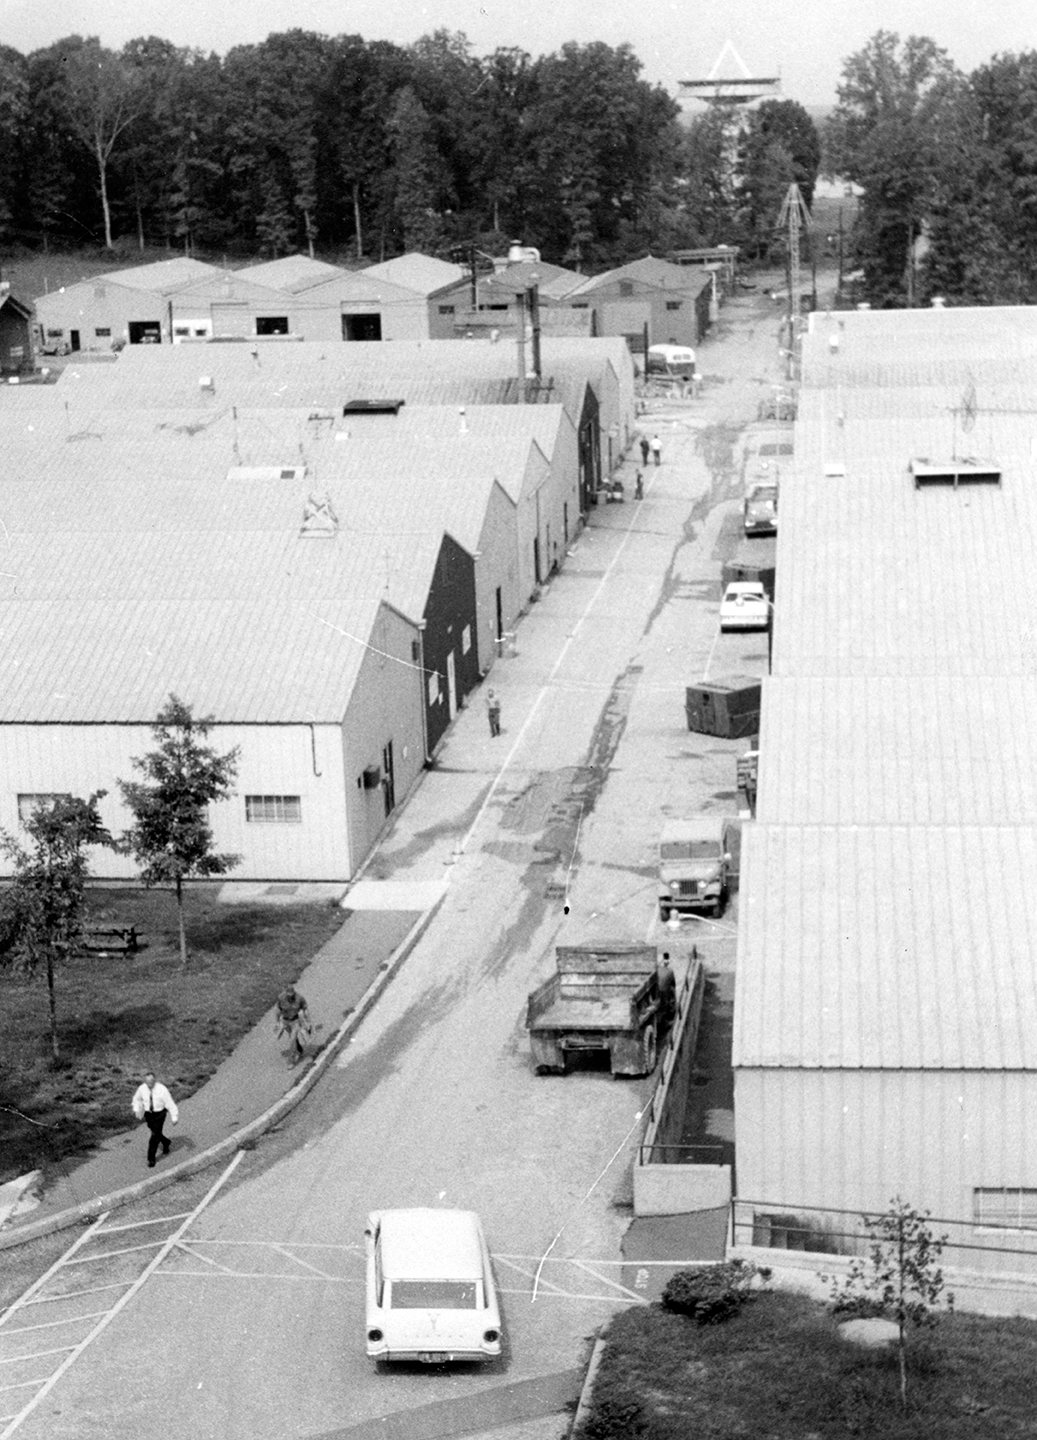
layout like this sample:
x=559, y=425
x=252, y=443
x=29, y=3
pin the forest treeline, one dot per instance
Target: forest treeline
x=366, y=148
x=369, y=148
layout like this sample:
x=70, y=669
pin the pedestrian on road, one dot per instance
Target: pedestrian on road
x=656, y=448
x=644, y=449
x=152, y=1102
x=639, y=487
x=493, y=711
x=293, y=1020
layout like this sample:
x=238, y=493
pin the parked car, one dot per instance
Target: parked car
x=760, y=514
x=745, y=606
x=430, y=1291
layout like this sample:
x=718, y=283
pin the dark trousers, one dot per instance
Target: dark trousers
x=155, y=1119
x=494, y=724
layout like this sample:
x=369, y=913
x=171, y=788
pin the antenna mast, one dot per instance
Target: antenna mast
x=793, y=216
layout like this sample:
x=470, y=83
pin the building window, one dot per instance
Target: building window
x=55, y=334
x=466, y=639
x=580, y=305
x=273, y=809
x=29, y=804
x=103, y=332
x=271, y=324
x=446, y=309
x=433, y=686
x=1008, y=1208
x=626, y=287
x=673, y=304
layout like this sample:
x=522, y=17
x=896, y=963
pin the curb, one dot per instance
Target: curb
x=587, y=1389
x=89, y=1209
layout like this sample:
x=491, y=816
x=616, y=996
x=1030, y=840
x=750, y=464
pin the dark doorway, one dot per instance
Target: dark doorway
x=536, y=559
x=388, y=779
x=500, y=614
x=143, y=332
x=271, y=324
x=361, y=327
x=73, y=339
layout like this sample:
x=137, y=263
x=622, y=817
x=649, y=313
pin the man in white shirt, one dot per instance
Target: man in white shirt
x=152, y=1102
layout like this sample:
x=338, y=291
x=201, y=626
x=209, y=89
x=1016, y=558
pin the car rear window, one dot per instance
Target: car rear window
x=434, y=1295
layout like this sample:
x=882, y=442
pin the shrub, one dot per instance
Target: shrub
x=614, y=1417
x=713, y=1294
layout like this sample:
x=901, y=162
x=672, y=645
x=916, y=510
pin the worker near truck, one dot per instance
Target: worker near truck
x=667, y=994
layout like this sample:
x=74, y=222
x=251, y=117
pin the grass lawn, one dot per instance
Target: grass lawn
x=119, y=1015
x=779, y=1371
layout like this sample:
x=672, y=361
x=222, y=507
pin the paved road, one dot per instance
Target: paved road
x=252, y=1325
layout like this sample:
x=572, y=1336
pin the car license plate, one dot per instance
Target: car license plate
x=433, y=1357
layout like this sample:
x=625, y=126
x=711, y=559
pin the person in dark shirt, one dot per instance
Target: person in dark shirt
x=293, y=1020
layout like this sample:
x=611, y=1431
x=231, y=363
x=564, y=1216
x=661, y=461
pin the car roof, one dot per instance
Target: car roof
x=744, y=587
x=427, y=1244
x=705, y=827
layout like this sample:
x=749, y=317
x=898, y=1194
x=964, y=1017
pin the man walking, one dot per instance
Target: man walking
x=644, y=449
x=656, y=448
x=293, y=1020
x=493, y=711
x=152, y=1102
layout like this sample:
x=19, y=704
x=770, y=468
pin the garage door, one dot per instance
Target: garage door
x=231, y=319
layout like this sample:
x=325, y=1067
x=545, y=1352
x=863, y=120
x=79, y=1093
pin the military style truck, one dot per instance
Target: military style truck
x=695, y=865
x=604, y=995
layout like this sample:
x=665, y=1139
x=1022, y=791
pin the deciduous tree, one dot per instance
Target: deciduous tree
x=171, y=838
x=43, y=907
x=900, y=1278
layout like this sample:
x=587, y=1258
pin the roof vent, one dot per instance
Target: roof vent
x=970, y=471
x=373, y=407
x=267, y=472
x=318, y=519
x=206, y=382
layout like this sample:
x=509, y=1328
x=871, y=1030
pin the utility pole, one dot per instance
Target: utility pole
x=793, y=216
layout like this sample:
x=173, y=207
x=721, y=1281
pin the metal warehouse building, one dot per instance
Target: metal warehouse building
x=884, y=1038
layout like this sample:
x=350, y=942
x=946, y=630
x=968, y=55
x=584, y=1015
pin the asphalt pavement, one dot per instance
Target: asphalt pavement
x=599, y=857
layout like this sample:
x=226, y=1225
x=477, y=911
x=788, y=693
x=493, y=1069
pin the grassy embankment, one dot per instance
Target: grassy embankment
x=120, y=1014
x=780, y=1371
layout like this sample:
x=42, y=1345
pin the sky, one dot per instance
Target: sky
x=803, y=41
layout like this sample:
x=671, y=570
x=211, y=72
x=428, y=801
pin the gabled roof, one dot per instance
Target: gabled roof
x=231, y=287
x=552, y=281
x=423, y=273
x=162, y=276
x=10, y=302
x=650, y=271
x=291, y=273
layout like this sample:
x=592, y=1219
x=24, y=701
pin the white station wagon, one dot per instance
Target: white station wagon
x=745, y=606
x=430, y=1291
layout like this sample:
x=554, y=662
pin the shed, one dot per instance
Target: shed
x=16, y=355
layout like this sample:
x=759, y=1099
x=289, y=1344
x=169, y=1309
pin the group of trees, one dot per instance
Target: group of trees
x=947, y=165
x=41, y=912
x=372, y=148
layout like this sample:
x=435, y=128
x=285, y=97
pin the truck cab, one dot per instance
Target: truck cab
x=695, y=865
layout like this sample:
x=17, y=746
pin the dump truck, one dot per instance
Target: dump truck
x=604, y=995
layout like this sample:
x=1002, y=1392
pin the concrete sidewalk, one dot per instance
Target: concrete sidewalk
x=254, y=1087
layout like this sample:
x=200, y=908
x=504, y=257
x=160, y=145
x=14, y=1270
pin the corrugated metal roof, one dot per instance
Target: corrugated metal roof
x=650, y=270
x=423, y=273
x=161, y=276
x=943, y=750
x=291, y=273
x=876, y=577
x=887, y=947
x=254, y=628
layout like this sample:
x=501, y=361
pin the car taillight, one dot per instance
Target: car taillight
x=491, y=1336
x=374, y=1336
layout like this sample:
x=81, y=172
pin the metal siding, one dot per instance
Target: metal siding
x=274, y=760
x=854, y=1139
x=387, y=705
